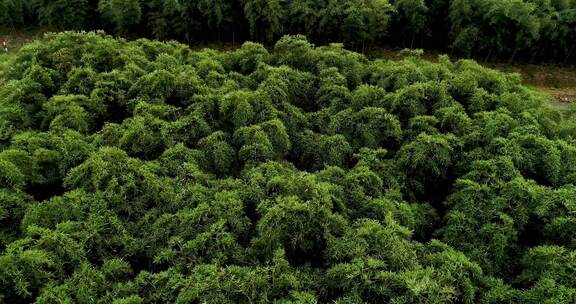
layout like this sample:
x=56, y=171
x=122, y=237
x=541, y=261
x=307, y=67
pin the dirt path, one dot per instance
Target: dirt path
x=557, y=81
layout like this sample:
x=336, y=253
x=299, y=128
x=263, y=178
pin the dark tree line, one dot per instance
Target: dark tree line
x=144, y=172
x=529, y=30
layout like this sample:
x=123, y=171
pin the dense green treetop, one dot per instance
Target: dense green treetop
x=145, y=172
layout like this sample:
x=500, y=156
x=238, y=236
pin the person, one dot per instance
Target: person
x=5, y=45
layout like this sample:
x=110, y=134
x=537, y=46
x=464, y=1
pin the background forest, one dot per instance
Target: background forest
x=528, y=30
x=145, y=172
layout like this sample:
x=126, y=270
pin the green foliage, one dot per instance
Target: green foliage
x=145, y=172
x=14, y=205
x=264, y=18
x=484, y=29
x=63, y=14
x=14, y=12
x=123, y=15
x=413, y=14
